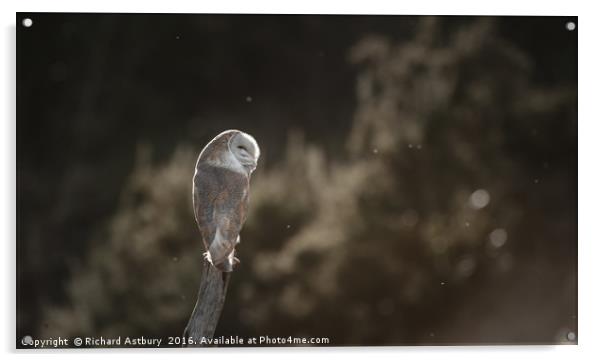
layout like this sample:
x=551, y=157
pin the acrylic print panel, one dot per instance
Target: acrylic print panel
x=395, y=180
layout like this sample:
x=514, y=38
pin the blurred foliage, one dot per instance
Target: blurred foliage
x=447, y=216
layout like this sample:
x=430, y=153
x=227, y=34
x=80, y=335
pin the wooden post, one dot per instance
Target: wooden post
x=209, y=304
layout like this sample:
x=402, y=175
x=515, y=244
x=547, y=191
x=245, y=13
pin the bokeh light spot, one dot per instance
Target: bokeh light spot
x=498, y=237
x=479, y=199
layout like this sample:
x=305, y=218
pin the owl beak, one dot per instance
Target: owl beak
x=250, y=166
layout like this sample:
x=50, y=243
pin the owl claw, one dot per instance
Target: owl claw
x=226, y=265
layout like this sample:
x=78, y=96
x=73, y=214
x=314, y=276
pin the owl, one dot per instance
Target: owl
x=220, y=194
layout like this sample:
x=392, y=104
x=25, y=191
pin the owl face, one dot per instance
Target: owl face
x=234, y=150
x=245, y=150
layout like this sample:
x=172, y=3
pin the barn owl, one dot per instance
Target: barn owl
x=220, y=194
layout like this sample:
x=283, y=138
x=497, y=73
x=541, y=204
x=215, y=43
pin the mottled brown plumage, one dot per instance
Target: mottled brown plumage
x=221, y=194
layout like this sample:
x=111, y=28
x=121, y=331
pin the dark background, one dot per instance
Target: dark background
x=417, y=184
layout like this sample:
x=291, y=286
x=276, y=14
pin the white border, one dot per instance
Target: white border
x=457, y=7
x=590, y=182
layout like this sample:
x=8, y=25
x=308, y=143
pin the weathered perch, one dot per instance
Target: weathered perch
x=209, y=303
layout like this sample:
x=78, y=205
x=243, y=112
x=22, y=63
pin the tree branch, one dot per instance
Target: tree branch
x=209, y=304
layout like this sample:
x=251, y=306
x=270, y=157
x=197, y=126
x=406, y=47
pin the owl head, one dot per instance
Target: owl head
x=234, y=150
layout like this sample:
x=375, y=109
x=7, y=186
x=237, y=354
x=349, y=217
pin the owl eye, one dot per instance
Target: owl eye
x=242, y=148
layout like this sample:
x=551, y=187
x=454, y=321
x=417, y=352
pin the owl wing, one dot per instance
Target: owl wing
x=220, y=199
